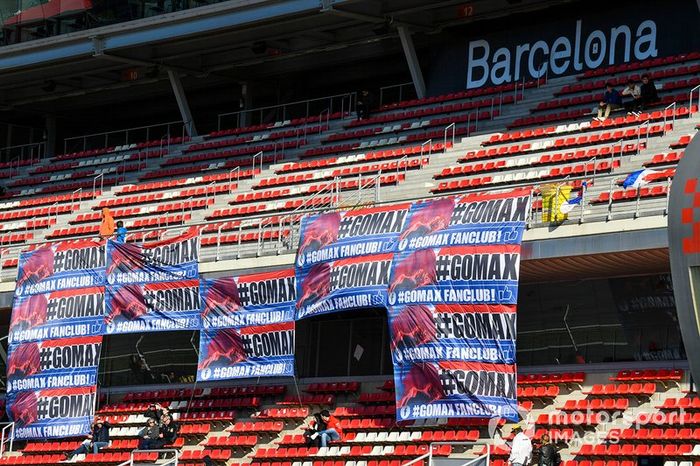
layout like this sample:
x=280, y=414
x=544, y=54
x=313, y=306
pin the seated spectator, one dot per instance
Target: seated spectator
x=168, y=432
x=149, y=435
x=327, y=428
x=648, y=94
x=156, y=411
x=612, y=100
x=120, y=236
x=634, y=91
x=549, y=456
x=97, y=439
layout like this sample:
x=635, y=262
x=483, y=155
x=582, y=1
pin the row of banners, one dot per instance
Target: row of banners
x=446, y=270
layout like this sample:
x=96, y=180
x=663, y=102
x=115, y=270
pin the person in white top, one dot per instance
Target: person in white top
x=635, y=92
x=521, y=449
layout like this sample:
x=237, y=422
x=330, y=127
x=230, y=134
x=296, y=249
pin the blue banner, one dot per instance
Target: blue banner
x=455, y=389
x=249, y=328
x=153, y=307
x=59, y=314
x=452, y=300
x=456, y=275
x=236, y=301
x=52, y=413
x=60, y=266
x=469, y=220
x=448, y=332
x=355, y=233
x=257, y=351
x=169, y=260
x=62, y=363
x=342, y=285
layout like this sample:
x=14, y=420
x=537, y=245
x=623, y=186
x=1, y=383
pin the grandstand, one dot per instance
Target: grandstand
x=263, y=130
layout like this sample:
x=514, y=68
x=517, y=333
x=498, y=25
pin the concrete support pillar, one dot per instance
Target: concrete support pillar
x=182, y=104
x=412, y=59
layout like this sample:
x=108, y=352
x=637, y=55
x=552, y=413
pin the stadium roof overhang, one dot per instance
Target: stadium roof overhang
x=236, y=41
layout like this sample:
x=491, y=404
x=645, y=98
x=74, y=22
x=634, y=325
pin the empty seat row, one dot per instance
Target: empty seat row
x=669, y=434
x=635, y=450
x=532, y=175
x=649, y=374
x=283, y=413
x=646, y=389
x=484, y=90
x=640, y=65
x=216, y=144
x=277, y=124
x=555, y=378
x=587, y=86
x=597, y=404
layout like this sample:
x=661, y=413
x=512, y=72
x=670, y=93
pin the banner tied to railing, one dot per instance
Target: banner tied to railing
x=248, y=326
x=55, y=338
x=52, y=412
x=61, y=266
x=447, y=271
x=153, y=287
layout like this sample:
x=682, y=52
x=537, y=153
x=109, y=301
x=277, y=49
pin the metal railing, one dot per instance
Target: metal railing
x=256, y=156
x=452, y=126
x=428, y=143
x=690, y=98
x=673, y=114
x=100, y=177
x=645, y=126
x=17, y=155
x=7, y=437
x=128, y=136
x=344, y=103
x=172, y=462
x=400, y=91
x=285, y=225
x=484, y=459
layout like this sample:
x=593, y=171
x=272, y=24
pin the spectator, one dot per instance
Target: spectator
x=327, y=428
x=156, y=412
x=648, y=92
x=632, y=90
x=364, y=102
x=107, y=226
x=521, y=449
x=311, y=432
x=612, y=100
x=97, y=439
x=149, y=435
x=141, y=372
x=549, y=456
x=168, y=431
x=121, y=232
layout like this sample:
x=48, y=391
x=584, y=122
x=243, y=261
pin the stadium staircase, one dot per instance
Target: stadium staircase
x=596, y=419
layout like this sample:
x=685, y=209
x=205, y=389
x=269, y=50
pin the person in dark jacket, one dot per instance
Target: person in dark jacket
x=156, y=412
x=311, y=434
x=648, y=92
x=612, y=100
x=549, y=456
x=97, y=439
x=364, y=104
x=149, y=435
x=168, y=432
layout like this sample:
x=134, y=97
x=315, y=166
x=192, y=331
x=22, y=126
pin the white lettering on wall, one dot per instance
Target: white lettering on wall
x=565, y=54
